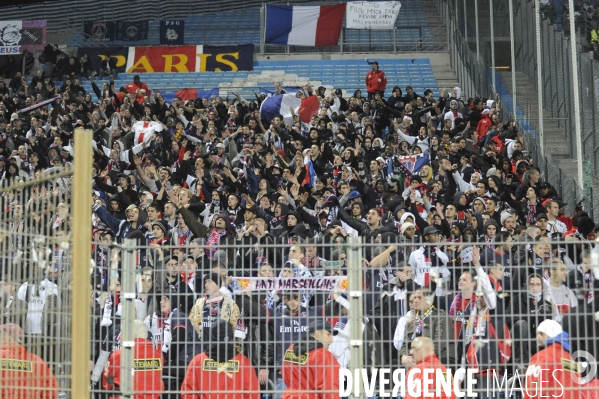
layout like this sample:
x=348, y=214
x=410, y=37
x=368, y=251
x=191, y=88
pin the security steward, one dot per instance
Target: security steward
x=552, y=371
x=147, y=366
x=309, y=369
x=23, y=374
x=423, y=353
x=220, y=371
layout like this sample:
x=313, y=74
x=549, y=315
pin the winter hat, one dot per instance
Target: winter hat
x=405, y=226
x=585, y=225
x=504, y=216
x=162, y=225
x=550, y=327
x=149, y=196
x=481, y=199
x=405, y=216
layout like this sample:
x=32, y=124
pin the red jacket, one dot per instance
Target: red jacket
x=205, y=376
x=376, y=81
x=24, y=375
x=483, y=126
x=428, y=363
x=147, y=363
x=133, y=88
x=317, y=371
x=552, y=372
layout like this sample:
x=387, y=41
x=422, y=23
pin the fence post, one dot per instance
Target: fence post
x=341, y=42
x=81, y=244
x=476, y=27
x=513, y=58
x=128, y=316
x=395, y=40
x=539, y=76
x=354, y=271
x=576, y=88
x=262, y=28
x=465, y=23
x=492, y=47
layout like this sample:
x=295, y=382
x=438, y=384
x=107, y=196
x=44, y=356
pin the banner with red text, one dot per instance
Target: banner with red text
x=190, y=59
x=328, y=283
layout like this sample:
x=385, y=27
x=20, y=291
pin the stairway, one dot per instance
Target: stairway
x=557, y=145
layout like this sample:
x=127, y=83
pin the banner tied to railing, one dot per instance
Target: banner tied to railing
x=371, y=14
x=327, y=283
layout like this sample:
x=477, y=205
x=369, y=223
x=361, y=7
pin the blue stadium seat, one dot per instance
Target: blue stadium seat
x=344, y=74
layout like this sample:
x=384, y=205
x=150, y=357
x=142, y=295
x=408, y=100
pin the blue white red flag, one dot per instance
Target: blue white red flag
x=411, y=164
x=304, y=25
x=280, y=104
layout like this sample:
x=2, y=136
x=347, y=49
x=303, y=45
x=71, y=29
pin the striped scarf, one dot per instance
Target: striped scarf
x=212, y=242
x=182, y=238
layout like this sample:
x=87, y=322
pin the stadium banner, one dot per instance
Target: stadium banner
x=372, y=14
x=328, y=283
x=18, y=36
x=132, y=30
x=97, y=54
x=99, y=31
x=172, y=32
x=190, y=59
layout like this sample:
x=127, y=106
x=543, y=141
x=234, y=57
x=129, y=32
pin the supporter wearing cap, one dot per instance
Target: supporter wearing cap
x=552, y=370
x=121, y=228
x=309, y=366
x=220, y=369
x=25, y=374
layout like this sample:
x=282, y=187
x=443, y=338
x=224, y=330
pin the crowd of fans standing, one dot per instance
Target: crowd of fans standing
x=211, y=191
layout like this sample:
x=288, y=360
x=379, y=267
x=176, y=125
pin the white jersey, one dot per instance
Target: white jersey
x=556, y=226
x=145, y=130
x=38, y=294
x=424, y=272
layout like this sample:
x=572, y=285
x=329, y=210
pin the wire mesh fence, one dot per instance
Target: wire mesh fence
x=177, y=314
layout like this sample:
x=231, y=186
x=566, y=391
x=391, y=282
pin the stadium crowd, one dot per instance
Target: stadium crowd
x=464, y=241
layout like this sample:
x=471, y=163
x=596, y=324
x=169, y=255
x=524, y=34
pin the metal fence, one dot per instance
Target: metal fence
x=558, y=90
x=471, y=70
x=186, y=323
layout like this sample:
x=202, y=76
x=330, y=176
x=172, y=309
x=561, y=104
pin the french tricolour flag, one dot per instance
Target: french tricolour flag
x=304, y=25
x=280, y=104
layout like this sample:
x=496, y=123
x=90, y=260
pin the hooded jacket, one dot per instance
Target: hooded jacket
x=308, y=366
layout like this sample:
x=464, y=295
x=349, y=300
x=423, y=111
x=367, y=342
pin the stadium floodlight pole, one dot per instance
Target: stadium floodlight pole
x=128, y=316
x=492, y=46
x=540, y=78
x=476, y=26
x=513, y=57
x=576, y=88
x=82, y=213
x=354, y=279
